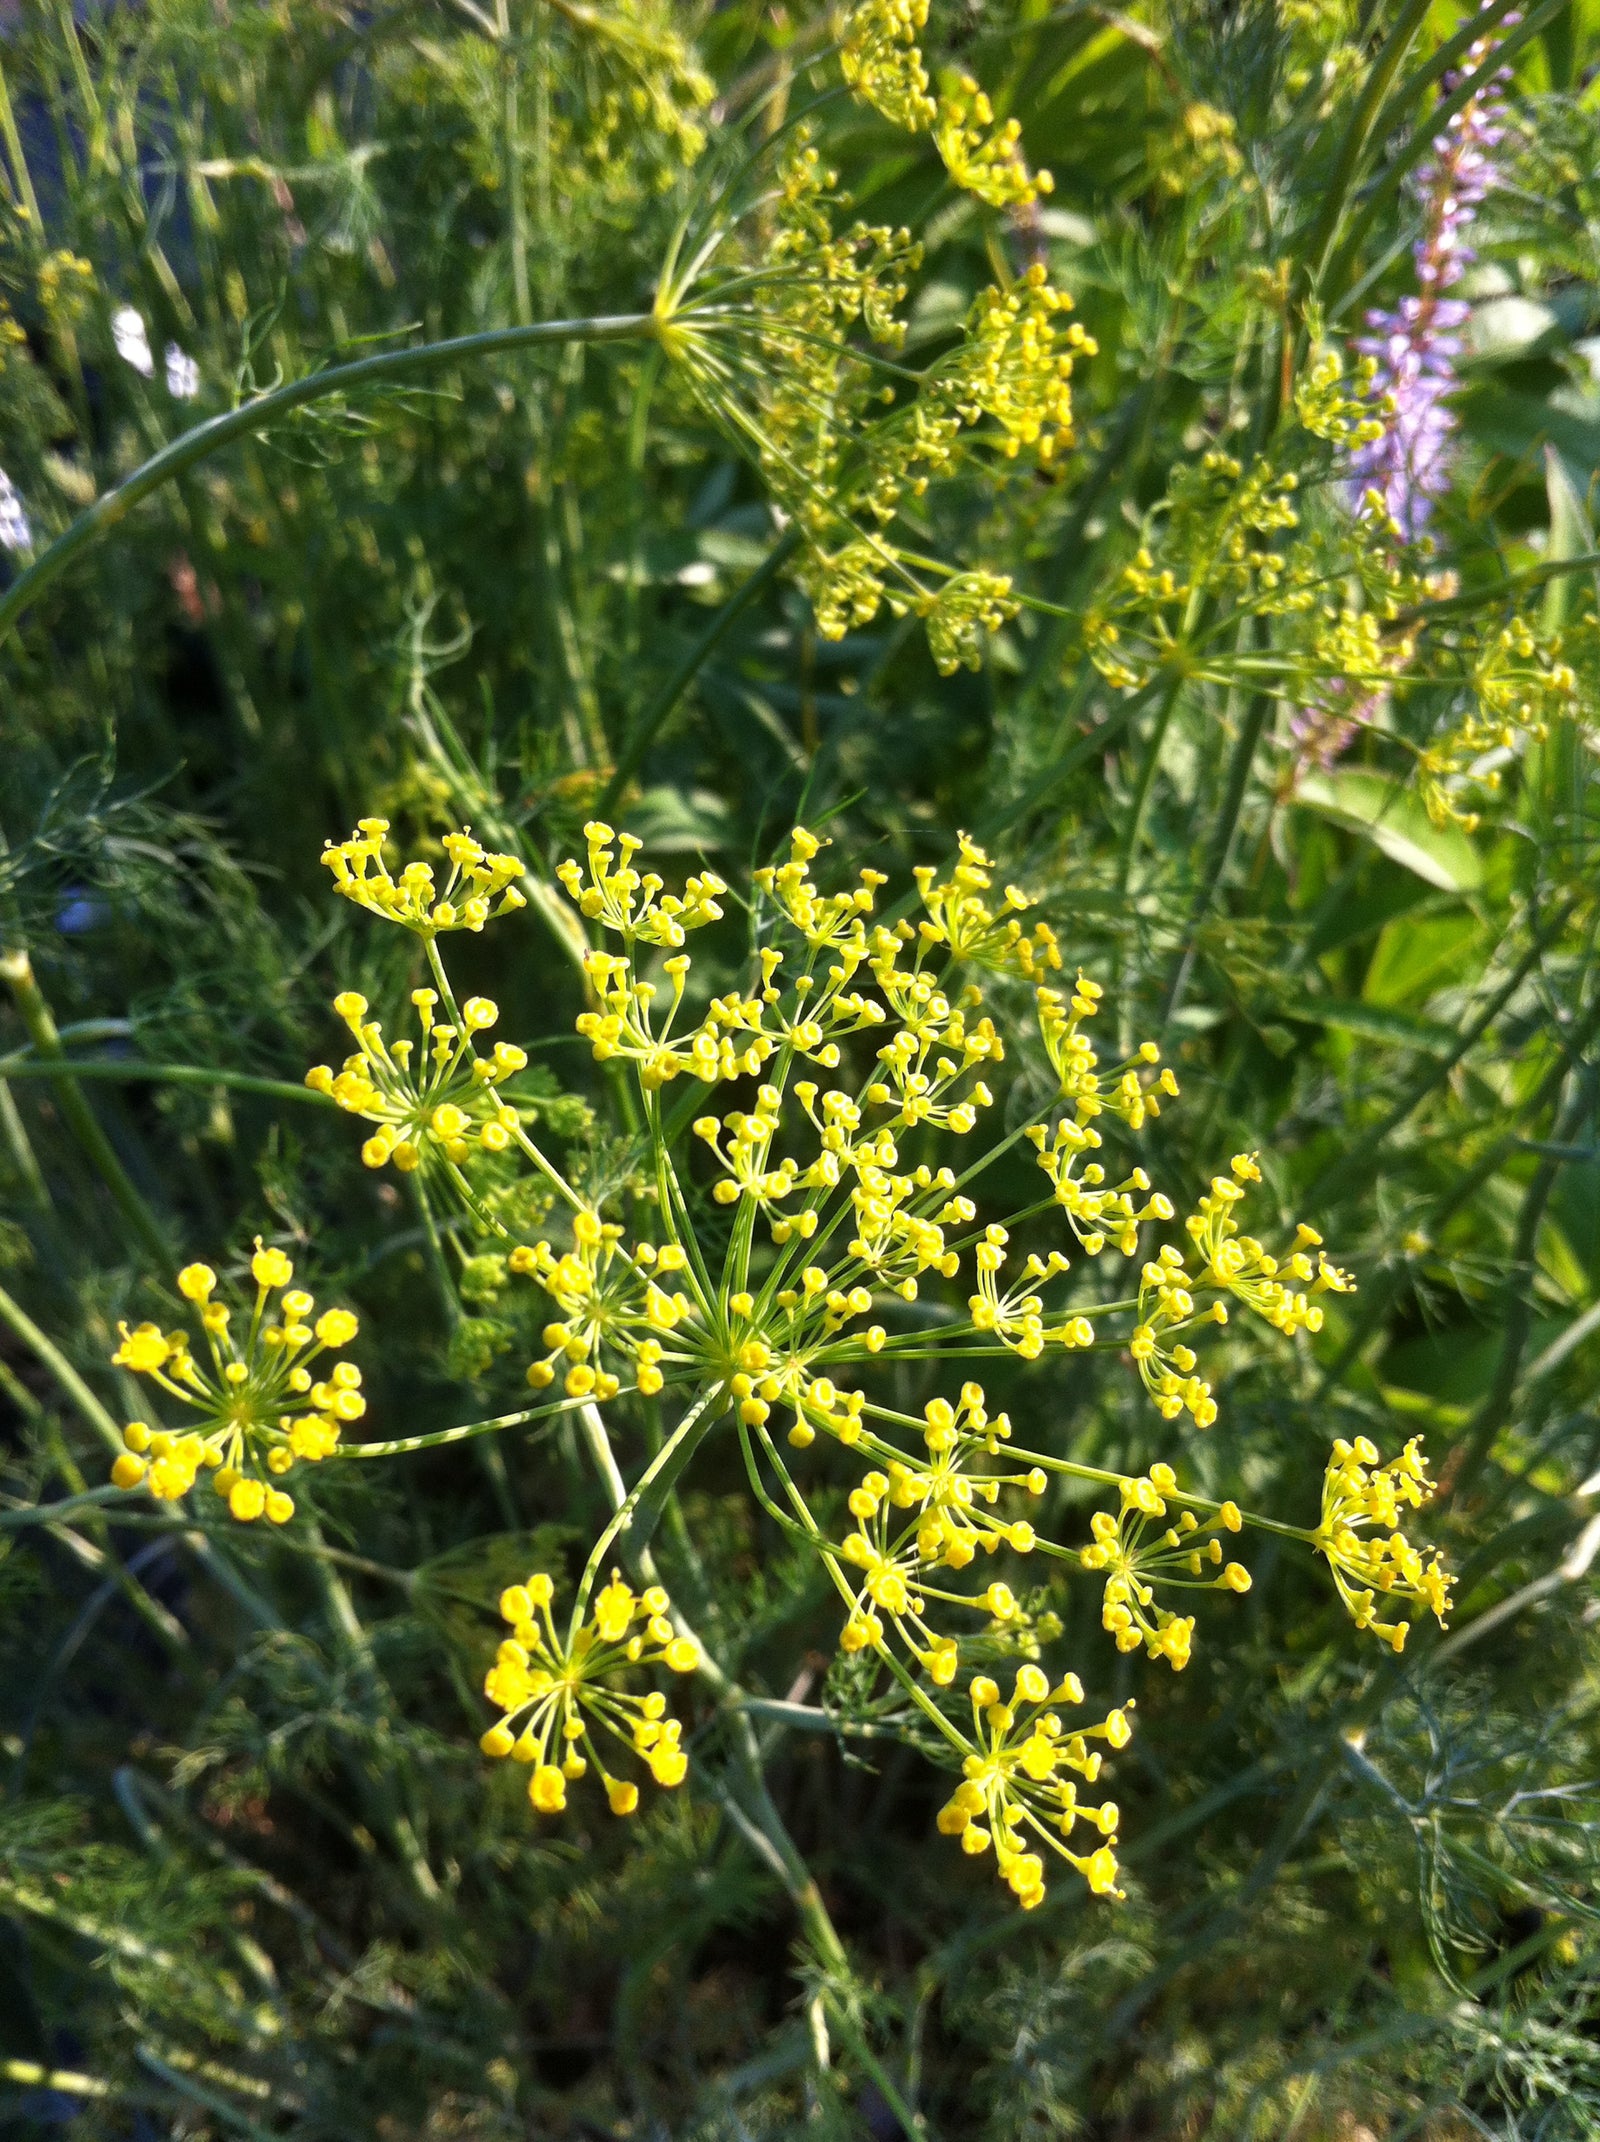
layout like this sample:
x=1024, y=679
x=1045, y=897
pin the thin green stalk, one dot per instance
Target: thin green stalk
x=16, y=969
x=489, y=1455
x=131, y=1069
x=211, y=2101
x=1517, y=1322
x=1239, y=770
x=511, y=127
x=22, y=178
x=1134, y=830
x=193, y=447
x=13, y=1313
x=665, y=1466
x=1331, y=279
x=1354, y=1159
x=1319, y=239
x=439, y=1438
x=765, y=1828
x=22, y=1153
x=1377, y=1295
x=911, y=2121
x=342, y=1613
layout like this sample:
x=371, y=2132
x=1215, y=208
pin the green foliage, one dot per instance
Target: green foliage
x=800, y=518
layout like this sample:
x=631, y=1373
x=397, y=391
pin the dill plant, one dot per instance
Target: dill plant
x=1032, y=505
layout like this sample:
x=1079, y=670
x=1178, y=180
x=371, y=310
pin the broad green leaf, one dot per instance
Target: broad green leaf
x=679, y=821
x=1393, y=818
x=1373, y=1023
x=1417, y=955
x=1571, y=536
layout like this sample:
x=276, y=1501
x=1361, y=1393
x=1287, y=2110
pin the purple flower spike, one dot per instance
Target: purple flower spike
x=1415, y=346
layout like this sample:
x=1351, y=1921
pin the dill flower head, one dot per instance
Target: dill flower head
x=914, y=1522
x=1370, y=1556
x=555, y=1692
x=864, y=1048
x=431, y=1112
x=478, y=887
x=1020, y=1765
x=251, y=1405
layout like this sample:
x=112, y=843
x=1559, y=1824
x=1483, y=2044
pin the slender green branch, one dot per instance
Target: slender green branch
x=664, y=1466
x=13, y=1313
x=53, y=1513
x=1331, y=276
x=204, y=440
x=131, y=1069
x=1358, y=132
x=440, y=1437
x=16, y=970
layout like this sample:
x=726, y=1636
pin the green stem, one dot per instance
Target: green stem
x=440, y=1437
x=1352, y=1163
x=1518, y=1298
x=1387, y=65
x=16, y=969
x=12, y=1313
x=206, y=439
x=1239, y=769
x=1331, y=278
x=665, y=1465
x=280, y=1089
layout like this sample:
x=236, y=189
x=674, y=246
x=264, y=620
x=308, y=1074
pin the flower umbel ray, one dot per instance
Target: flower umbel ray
x=855, y=1179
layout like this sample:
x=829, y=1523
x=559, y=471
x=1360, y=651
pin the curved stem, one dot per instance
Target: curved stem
x=204, y=440
x=671, y=1453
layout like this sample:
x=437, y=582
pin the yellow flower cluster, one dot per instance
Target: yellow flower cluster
x=1516, y=687
x=961, y=920
x=477, y=881
x=256, y=1407
x=1179, y=1555
x=554, y=1691
x=966, y=607
x=610, y=1298
x=864, y=1042
x=1358, y=1493
x=433, y=1113
x=882, y=62
x=914, y=1520
x=981, y=157
x=614, y=893
x=1229, y=1263
x=1016, y=364
x=842, y=452
x=1013, y=1788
